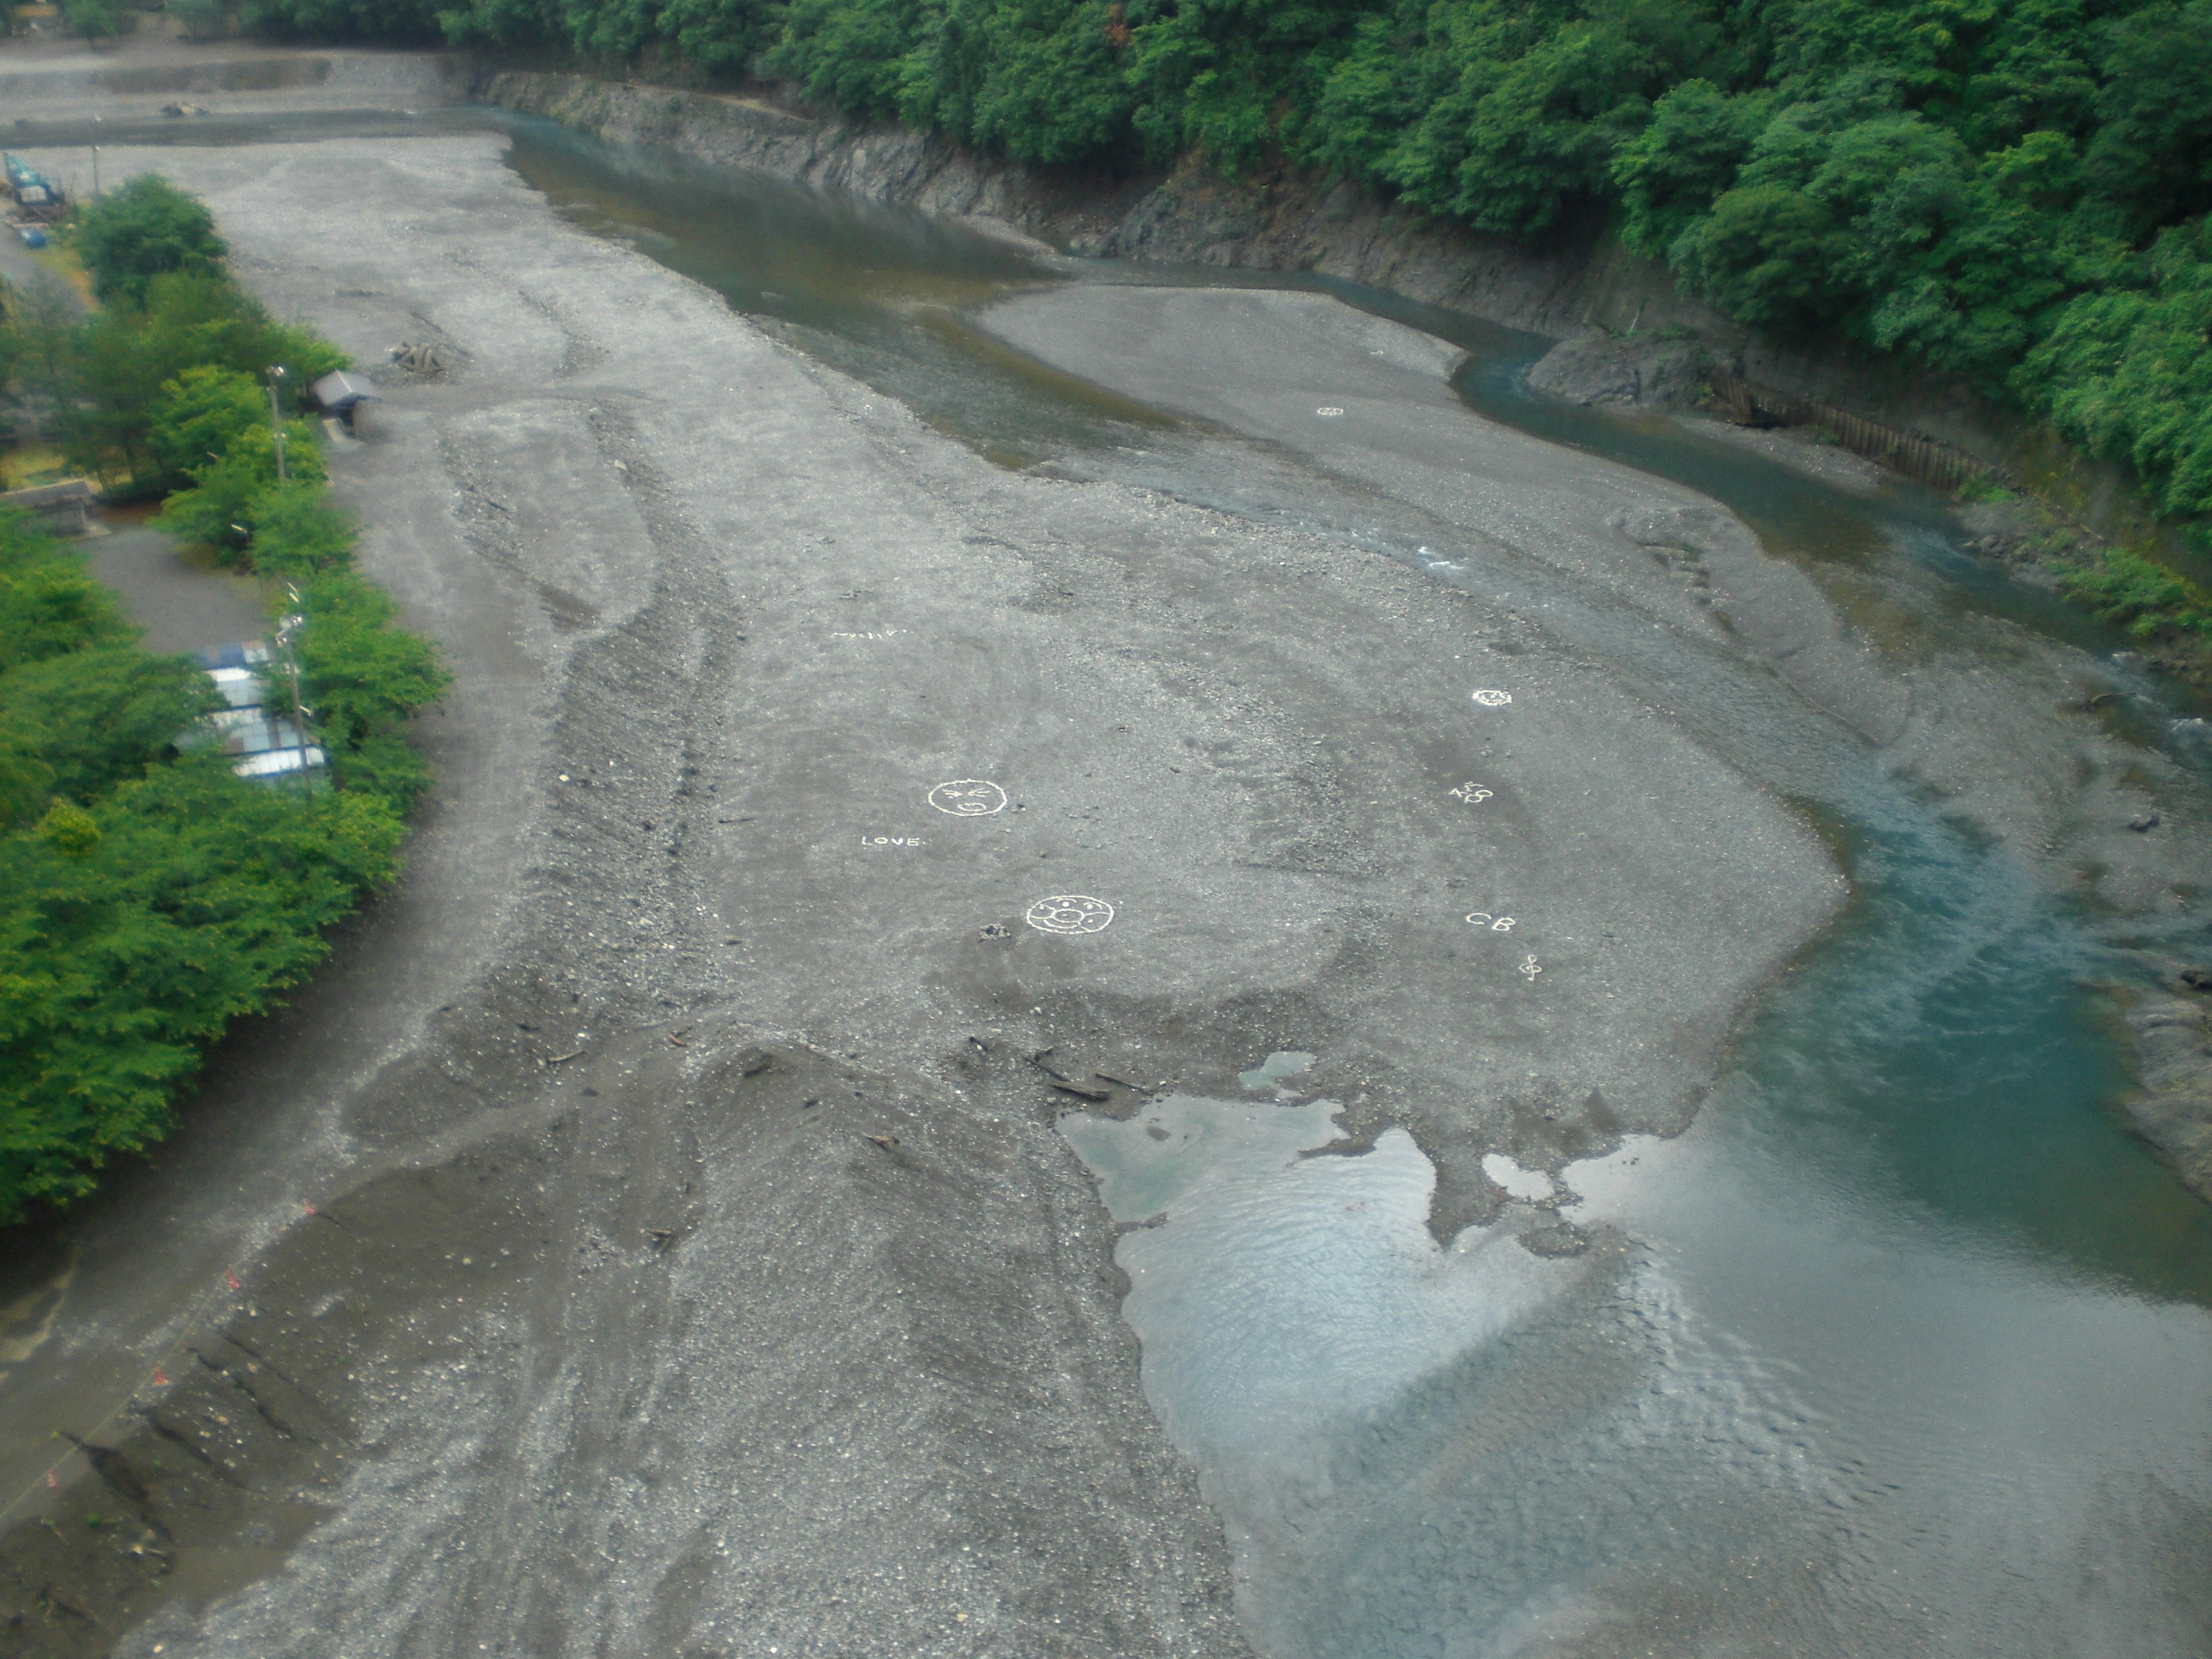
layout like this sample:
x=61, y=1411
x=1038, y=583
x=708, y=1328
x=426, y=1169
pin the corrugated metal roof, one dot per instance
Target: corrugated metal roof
x=342, y=390
x=255, y=724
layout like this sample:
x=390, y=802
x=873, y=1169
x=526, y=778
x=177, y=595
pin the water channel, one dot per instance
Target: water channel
x=1904, y=1348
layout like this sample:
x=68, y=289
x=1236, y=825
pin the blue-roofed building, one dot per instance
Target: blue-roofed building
x=255, y=725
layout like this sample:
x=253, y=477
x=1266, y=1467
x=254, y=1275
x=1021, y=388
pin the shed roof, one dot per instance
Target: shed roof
x=342, y=391
x=52, y=494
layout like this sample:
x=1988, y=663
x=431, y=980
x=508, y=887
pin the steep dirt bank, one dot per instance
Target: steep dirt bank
x=1584, y=287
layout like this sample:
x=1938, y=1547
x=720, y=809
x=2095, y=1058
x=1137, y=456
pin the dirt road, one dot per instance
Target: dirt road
x=693, y=1265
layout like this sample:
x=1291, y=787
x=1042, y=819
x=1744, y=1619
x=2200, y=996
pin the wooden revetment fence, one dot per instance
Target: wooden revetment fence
x=1913, y=453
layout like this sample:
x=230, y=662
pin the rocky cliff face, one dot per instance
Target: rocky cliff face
x=1584, y=288
x=2172, y=1109
x=1278, y=221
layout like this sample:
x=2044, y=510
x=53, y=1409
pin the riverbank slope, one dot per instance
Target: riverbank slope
x=1580, y=285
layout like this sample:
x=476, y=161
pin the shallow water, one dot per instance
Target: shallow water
x=1903, y=1349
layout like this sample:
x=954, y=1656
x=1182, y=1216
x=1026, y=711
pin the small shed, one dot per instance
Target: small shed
x=66, y=506
x=262, y=740
x=341, y=393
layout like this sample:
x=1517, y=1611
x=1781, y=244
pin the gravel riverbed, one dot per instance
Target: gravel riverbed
x=651, y=1234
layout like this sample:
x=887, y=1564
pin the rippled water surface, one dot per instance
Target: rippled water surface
x=1904, y=1349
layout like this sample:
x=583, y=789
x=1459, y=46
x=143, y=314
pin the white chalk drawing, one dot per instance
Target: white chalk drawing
x=1328, y=411
x=968, y=798
x=1070, y=913
x=873, y=634
x=1490, y=697
x=1496, y=924
x=893, y=841
x=1530, y=967
x=1469, y=793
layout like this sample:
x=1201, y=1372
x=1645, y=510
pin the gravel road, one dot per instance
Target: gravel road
x=695, y=1267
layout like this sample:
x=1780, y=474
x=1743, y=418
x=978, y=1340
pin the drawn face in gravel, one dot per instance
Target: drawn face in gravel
x=1070, y=913
x=968, y=798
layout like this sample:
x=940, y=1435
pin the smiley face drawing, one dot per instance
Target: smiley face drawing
x=1491, y=698
x=1070, y=913
x=968, y=798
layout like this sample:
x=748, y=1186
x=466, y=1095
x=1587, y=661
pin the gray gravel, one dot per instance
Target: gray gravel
x=697, y=1269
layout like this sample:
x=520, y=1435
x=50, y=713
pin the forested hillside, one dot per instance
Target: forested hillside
x=2011, y=192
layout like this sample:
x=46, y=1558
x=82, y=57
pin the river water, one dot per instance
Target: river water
x=1903, y=1348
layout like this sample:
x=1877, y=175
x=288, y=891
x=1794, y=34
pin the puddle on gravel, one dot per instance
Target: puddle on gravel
x=1763, y=1415
x=1270, y=1071
x=1278, y=1296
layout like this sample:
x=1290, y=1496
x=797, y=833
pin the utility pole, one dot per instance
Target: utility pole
x=287, y=631
x=276, y=419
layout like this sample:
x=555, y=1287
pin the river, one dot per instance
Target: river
x=1904, y=1348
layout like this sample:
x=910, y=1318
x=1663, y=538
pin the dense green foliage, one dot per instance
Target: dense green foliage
x=146, y=898
x=395, y=21
x=95, y=19
x=144, y=229
x=2151, y=601
x=2010, y=192
x=148, y=895
x=2127, y=372
x=131, y=393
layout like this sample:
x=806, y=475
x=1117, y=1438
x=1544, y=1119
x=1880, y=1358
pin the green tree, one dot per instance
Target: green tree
x=1034, y=78
x=48, y=602
x=1672, y=173
x=201, y=20
x=95, y=19
x=359, y=20
x=82, y=722
x=297, y=533
x=365, y=678
x=723, y=37
x=200, y=415
x=2151, y=159
x=190, y=900
x=141, y=230
x=217, y=511
x=2128, y=375
x=852, y=55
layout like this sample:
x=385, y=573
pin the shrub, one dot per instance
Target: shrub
x=143, y=228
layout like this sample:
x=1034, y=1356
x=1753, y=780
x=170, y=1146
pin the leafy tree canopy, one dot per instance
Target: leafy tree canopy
x=147, y=894
x=139, y=230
